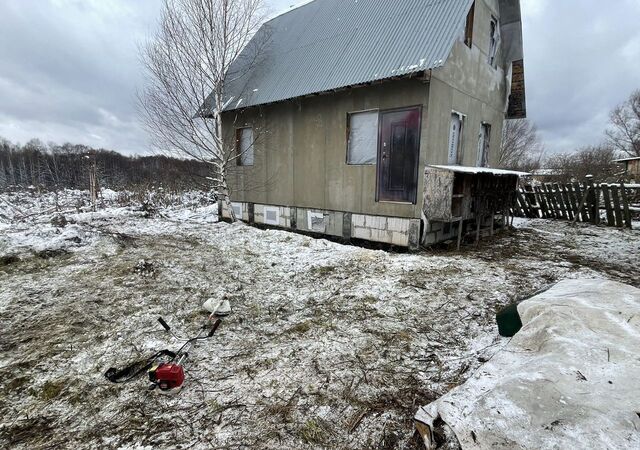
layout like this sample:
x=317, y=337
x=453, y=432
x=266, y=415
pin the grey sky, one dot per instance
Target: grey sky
x=69, y=68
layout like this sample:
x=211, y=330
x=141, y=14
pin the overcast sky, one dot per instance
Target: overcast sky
x=69, y=69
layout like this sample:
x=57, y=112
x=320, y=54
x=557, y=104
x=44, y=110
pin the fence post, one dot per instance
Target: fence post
x=592, y=201
x=625, y=205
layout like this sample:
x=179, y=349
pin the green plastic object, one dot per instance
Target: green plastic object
x=508, y=319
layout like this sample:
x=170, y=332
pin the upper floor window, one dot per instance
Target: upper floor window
x=494, y=41
x=468, y=28
x=484, y=143
x=362, y=145
x=455, y=138
x=244, y=146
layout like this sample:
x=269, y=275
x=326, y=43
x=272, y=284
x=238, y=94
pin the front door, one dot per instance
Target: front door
x=398, y=155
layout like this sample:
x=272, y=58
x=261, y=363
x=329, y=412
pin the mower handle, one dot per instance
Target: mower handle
x=215, y=326
x=164, y=324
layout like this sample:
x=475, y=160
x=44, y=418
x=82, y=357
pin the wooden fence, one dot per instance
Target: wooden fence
x=604, y=204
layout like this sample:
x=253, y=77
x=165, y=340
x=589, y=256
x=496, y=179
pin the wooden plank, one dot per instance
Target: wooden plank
x=582, y=205
x=611, y=220
x=573, y=200
x=594, y=210
x=542, y=201
x=558, y=196
x=521, y=204
x=567, y=201
x=531, y=200
x=617, y=210
x=551, y=199
x=625, y=206
x=578, y=191
x=586, y=211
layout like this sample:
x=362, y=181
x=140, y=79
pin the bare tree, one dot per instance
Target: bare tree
x=593, y=160
x=521, y=148
x=190, y=65
x=624, y=126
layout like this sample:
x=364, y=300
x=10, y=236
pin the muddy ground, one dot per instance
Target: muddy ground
x=329, y=346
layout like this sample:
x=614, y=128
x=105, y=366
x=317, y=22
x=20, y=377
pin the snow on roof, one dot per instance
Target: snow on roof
x=477, y=170
x=626, y=159
x=543, y=172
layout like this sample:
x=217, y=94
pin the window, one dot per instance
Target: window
x=244, y=146
x=468, y=29
x=362, y=144
x=271, y=215
x=455, y=138
x=494, y=42
x=484, y=141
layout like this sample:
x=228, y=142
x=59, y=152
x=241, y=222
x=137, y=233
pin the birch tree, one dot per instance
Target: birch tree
x=190, y=65
x=521, y=147
x=624, y=130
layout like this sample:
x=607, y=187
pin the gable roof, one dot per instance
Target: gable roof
x=332, y=44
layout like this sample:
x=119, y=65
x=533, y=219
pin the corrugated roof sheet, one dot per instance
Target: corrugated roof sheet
x=331, y=44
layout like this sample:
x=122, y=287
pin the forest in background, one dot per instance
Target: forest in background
x=53, y=167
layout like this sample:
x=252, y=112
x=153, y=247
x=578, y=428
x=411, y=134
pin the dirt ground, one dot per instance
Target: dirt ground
x=328, y=346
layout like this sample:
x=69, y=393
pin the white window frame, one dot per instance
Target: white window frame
x=246, y=156
x=349, y=137
x=458, y=151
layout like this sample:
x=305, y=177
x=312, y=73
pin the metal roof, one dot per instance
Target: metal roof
x=331, y=44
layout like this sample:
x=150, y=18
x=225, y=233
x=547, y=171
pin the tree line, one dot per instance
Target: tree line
x=53, y=167
x=522, y=148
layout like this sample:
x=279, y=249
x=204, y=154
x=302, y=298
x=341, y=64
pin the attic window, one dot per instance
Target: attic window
x=362, y=144
x=468, y=29
x=244, y=146
x=494, y=41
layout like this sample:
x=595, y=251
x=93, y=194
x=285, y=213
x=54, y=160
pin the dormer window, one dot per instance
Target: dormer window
x=494, y=41
x=468, y=28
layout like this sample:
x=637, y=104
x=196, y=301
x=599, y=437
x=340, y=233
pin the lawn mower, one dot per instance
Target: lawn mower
x=166, y=368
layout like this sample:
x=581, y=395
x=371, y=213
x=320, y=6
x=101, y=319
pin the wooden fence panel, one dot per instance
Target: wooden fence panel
x=577, y=202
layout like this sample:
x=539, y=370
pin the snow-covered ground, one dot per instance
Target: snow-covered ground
x=329, y=346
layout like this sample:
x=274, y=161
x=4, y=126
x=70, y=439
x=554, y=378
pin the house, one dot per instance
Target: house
x=631, y=167
x=340, y=116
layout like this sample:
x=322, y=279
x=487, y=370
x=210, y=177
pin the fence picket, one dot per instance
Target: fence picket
x=625, y=206
x=576, y=202
x=616, y=207
x=611, y=221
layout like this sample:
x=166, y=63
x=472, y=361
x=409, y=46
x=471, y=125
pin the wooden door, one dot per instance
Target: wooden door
x=398, y=155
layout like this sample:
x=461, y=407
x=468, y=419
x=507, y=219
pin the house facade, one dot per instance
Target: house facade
x=631, y=167
x=352, y=102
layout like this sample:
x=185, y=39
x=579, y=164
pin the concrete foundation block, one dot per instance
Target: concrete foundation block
x=399, y=225
x=400, y=239
x=361, y=233
x=357, y=220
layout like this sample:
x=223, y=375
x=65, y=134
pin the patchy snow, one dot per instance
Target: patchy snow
x=329, y=345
